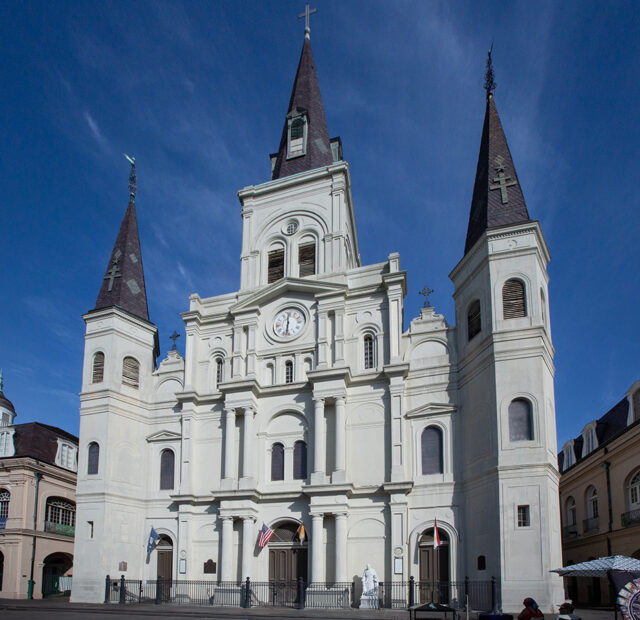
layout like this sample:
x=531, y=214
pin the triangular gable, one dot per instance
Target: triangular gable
x=164, y=436
x=431, y=409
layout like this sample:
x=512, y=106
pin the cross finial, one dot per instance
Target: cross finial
x=426, y=291
x=133, y=185
x=489, y=82
x=174, y=337
x=306, y=14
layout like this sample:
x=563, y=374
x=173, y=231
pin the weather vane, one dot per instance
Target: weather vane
x=489, y=82
x=306, y=14
x=133, y=185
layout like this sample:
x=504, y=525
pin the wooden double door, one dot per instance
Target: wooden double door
x=434, y=574
x=286, y=566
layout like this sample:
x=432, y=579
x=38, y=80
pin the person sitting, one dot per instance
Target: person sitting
x=530, y=611
x=566, y=612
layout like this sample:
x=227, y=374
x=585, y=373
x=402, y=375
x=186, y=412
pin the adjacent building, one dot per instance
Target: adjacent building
x=38, y=466
x=305, y=399
x=600, y=494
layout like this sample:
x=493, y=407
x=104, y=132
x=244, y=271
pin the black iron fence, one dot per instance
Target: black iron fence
x=479, y=595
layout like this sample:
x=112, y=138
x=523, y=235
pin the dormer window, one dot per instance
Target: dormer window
x=66, y=455
x=297, y=143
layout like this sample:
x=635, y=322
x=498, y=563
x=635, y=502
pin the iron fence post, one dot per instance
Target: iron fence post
x=140, y=592
x=122, y=590
x=247, y=594
x=412, y=596
x=353, y=594
x=159, y=591
x=300, y=604
x=494, y=594
x=466, y=589
x=107, y=590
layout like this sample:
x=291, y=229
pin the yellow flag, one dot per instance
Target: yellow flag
x=301, y=532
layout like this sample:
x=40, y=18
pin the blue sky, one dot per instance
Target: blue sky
x=197, y=91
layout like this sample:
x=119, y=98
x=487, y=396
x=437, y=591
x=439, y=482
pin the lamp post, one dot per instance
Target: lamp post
x=33, y=542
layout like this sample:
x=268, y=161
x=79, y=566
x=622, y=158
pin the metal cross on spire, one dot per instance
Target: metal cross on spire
x=426, y=291
x=174, y=337
x=133, y=184
x=489, y=82
x=306, y=14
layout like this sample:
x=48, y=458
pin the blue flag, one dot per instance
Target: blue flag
x=153, y=536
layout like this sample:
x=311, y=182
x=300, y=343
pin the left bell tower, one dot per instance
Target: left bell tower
x=121, y=347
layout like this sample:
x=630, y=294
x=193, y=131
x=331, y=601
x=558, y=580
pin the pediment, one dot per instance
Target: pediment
x=430, y=409
x=286, y=285
x=164, y=436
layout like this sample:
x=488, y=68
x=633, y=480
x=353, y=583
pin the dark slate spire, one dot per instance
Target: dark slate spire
x=123, y=283
x=497, y=195
x=306, y=102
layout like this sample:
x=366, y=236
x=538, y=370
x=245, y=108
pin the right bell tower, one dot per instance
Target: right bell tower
x=505, y=378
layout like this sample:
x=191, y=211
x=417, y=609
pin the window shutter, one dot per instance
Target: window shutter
x=307, y=259
x=300, y=460
x=276, y=266
x=167, y=466
x=520, y=426
x=513, y=301
x=474, y=319
x=93, y=458
x=432, y=451
x=277, y=462
x=98, y=367
x=131, y=372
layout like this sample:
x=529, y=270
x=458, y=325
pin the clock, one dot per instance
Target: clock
x=288, y=323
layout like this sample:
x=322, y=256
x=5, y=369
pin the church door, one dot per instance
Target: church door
x=434, y=568
x=165, y=565
x=287, y=563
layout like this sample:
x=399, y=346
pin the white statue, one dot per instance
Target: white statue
x=369, y=581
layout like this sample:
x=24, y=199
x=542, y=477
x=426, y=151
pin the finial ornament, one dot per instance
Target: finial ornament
x=1, y=380
x=489, y=82
x=174, y=337
x=133, y=185
x=306, y=14
x=426, y=291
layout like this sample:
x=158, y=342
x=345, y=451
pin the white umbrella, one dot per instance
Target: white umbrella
x=600, y=567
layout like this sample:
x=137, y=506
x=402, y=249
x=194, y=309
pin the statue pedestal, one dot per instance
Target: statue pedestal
x=369, y=600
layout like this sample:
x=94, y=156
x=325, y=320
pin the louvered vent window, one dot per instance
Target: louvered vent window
x=513, y=300
x=167, y=466
x=131, y=372
x=276, y=266
x=296, y=137
x=277, y=462
x=432, y=462
x=474, y=319
x=300, y=460
x=307, y=259
x=98, y=367
x=288, y=372
x=520, y=422
x=93, y=458
x=369, y=353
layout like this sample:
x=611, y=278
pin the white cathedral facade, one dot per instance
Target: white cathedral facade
x=303, y=400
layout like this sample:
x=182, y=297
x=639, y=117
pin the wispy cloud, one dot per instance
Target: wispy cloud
x=95, y=130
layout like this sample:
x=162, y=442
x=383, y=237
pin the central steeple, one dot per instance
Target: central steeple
x=305, y=143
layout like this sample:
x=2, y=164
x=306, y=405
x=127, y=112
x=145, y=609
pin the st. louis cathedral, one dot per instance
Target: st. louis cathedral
x=303, y=401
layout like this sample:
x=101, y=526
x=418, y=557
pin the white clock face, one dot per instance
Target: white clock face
x=288, y=323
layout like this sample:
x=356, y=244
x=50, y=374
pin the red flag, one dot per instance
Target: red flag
x=436, y=535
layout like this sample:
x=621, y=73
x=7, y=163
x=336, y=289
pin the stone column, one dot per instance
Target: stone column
x=247, y=547
x=226, y=561
x=317, y=556
x=229, y=444
x=247, y=447
x=339, y=472
x=341, y=547
x=319, y=446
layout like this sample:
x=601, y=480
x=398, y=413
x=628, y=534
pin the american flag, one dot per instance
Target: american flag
x=265, y=535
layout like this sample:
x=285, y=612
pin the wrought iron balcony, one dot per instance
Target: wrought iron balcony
x=590, y=525
x=59, y=528
x=631, y=518
x=570, y=531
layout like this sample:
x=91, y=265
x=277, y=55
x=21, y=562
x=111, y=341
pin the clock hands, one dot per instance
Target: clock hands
x=286, y=327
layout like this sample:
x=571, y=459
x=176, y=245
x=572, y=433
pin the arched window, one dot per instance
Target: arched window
x=482, y=562
x=592, y=503
x=277, y=461
x=131, y=372
x=93, y=458
x=296, y=137
x=307, y=259
x=288, y=372
x=219, y=370
x=432, y=462
x=514, y=303
x=369, y=351
x=543, y=306
x=5, y=497
x=520, y=422
x=275, y=269
x=60, y=516
x=571, y=511
x=299, y=460
x=98, y=368
x=633, y=492
x=167, y=469
x=474, y=319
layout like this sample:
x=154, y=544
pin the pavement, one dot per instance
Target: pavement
x=62, y=609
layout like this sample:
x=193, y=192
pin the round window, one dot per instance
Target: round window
x=291, y=227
